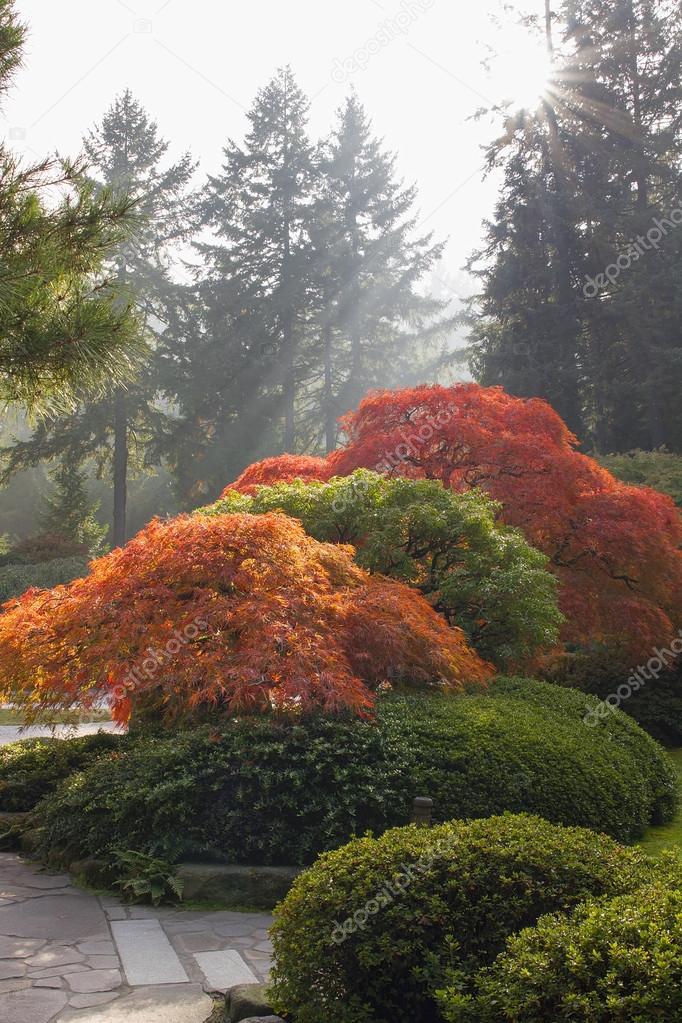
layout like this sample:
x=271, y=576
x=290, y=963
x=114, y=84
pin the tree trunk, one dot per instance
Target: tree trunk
x=120, y=469
x=329, y=403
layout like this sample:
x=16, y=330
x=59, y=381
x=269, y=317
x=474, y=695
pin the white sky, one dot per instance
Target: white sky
x=196, y=65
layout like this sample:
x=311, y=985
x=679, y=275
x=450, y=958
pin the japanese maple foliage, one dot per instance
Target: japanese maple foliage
x=241, y=612
x=280, y=469
x=614, y=548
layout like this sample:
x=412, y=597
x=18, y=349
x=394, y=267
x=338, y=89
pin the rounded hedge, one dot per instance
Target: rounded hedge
x=271, y=791
x=32, y=768
x=372, y=930
x=607, y=963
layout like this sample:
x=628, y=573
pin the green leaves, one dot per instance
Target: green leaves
x=482, y=576
x=147, y=878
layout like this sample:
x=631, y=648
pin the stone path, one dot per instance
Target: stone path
x=11, y=733
x=67, y=956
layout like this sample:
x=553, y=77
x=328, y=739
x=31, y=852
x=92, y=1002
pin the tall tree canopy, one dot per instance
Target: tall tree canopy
x=581, y=298
x=307, y=294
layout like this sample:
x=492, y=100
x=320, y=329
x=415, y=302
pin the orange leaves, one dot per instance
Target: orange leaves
x=281, y=469
x=237, y=611
x=615, y=548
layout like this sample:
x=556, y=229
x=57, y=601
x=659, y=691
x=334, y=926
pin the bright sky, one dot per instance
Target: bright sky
x=196, y=65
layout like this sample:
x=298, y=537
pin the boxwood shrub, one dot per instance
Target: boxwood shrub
x=368, y=934
x=607, y=963
x=32, y=768
x=267, y=791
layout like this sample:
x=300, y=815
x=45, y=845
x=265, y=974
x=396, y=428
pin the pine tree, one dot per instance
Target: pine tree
x=69, y=512
x=63, y=329
x=125, y=429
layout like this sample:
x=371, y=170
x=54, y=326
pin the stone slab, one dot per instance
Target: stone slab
x=94, y=980
x=224, y=969
x=35, y=1006
x=146, y=953
x=158, y=1004
x=62, y=917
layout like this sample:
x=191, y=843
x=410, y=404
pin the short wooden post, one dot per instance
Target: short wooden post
x=422, y=809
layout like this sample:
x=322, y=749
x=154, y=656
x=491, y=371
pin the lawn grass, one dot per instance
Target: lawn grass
x=667, y=836
x=10, y=716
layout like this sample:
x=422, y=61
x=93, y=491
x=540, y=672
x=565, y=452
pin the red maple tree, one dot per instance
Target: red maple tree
x=614, y=548
x=239, y=612
x=279, y=469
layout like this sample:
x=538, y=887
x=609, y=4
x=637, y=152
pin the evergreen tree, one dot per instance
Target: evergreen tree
x=124, y=430
x=69, y=512
x=586, y=175
x=62, y=327
x=368, y=264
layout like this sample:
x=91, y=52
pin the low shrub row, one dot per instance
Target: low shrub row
x=271, y=791
x=32, y=768
x=373, y=931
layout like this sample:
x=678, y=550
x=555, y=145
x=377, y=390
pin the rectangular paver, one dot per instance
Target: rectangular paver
x=146, y=953
x=224, y=969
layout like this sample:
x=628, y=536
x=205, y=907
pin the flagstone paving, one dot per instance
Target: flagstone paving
x=68, y=956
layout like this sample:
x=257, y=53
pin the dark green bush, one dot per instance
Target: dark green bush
x=32, y=768
x=266, y=791
x=661, y=470
x=369, y=933
x=611, y=962
x=657, y=706
x=16, y=579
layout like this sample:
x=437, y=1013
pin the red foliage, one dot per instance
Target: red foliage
x=280, y=469
x=237, y=611
x=615, y=548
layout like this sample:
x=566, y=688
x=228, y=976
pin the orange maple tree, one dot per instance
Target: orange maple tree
x=614, y=548
x=279, y=469
x=239, y=612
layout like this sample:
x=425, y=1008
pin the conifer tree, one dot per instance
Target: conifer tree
x=125, y=429
x=606, y=350
x=63, y=329
x=370, y=261
x=69, y=512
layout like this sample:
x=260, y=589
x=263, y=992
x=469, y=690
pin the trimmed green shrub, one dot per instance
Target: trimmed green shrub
x=657, y=706
x=608, y=963
x=32, y=768
x=481, y=575
x=268, y=791
x=368, y=934
x=16, y=579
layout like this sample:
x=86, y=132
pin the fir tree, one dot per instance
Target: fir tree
x=369, y=262
x=69, y=512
